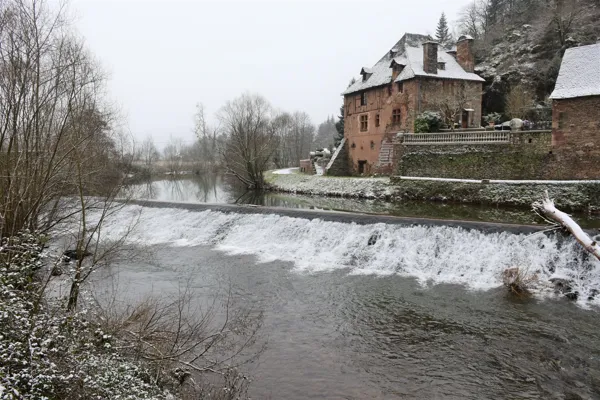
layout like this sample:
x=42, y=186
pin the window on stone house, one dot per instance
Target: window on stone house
x=372, y=145
x=389, y=90
x=376, y=119
x=562, y=116
x=396, y=116
x=400, y=87
x=364, y=123
x=363, y=99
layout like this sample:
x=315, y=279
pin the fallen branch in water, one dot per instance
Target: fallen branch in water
x=546, y=209
x=518, y=281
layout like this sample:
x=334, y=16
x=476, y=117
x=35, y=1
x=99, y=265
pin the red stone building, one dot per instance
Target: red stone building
x=416, y=75
x=576, y=113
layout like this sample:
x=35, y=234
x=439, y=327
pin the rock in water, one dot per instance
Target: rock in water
x=57, y=271
x=564, y=287
x=76, y=254
x=373, y=239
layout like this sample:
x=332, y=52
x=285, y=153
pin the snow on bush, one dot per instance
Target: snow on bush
x=428, y=121
x=47, y=353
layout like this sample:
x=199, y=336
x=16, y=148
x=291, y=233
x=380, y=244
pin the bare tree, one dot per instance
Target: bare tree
x=207, y=139
x=518, y=102
x=302, y=136
x=282, y=126
x=564, y=16
x=471, y=21
x=173, y=155
x=250, y=140
x=452, y=101
x=295, y=133
x=50, y=106
x=148, y=152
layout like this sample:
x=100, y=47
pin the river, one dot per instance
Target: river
x=211, y=188
x=416, y=313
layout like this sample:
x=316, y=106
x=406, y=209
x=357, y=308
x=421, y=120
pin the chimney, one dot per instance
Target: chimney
x=464, y=53
x=430, y=57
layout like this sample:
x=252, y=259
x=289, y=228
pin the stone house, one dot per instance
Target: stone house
x=576, y=113
x=415, y=75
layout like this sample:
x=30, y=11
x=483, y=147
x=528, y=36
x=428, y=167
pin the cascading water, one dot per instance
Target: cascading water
x=432, y=255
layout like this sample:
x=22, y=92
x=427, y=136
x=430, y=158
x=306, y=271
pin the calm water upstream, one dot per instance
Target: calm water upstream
x=220, y=189
x=419, y=314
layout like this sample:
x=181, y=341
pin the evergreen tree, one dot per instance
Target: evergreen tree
x=339, y=126
x=442, y=32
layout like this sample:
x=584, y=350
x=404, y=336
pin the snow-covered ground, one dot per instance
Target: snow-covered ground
x=513, y=182
x=368, y=188
x=286, y=171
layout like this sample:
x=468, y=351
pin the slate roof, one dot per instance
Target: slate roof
x=579, y=73
x=410, y=53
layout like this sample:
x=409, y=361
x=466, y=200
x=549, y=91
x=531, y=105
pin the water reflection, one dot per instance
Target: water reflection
x=208, y=188
x=211, y=188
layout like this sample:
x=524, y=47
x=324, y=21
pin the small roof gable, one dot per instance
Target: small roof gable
x=366, y=70
x=398, y=61
x=579, y=73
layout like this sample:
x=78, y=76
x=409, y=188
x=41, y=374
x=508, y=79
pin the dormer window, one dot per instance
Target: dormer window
x=441, y=65
x=366, y=73
x=396, y=66
x=393, y=52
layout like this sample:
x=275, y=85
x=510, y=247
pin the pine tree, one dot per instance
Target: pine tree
x=442, y=33
x=339, y=126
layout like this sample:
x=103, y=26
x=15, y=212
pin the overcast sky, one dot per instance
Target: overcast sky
x=163, y=57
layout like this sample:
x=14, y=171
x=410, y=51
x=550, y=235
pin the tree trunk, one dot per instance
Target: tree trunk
x=547, y=208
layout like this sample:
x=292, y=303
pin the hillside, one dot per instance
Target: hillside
x=521, y=43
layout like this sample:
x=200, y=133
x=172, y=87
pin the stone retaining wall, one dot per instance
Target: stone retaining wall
x=527, y=156
x=581, y=196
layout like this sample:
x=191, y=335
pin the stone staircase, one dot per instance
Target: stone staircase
x=386, y=154
x=335, y=154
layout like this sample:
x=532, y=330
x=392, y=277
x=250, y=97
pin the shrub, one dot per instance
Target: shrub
x=428, y=121
x=494, y=117
x=46, y=352
x=518, y=281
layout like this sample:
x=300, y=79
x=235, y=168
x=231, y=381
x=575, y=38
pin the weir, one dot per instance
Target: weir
x=345, y=217
x=471, y=254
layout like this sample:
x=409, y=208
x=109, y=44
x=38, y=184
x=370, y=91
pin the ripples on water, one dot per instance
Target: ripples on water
x=417, y=314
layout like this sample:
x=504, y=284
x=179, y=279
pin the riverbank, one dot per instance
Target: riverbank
x=569, y=195
x=363, y=188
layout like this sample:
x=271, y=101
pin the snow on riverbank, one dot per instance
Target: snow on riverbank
x=286, y=171
x=368, y=188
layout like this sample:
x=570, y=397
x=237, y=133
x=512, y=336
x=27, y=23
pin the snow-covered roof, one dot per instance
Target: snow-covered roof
x=452, y=70
x=579, y=73
x=410, y=54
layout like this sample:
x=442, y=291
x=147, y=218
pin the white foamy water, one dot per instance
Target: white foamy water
x=432, y=255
